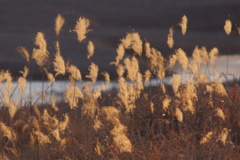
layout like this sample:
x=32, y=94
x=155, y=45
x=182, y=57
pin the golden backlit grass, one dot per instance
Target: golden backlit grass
x=199, y=119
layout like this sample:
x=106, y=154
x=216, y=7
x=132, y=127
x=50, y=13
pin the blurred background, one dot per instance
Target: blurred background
x=110, y=21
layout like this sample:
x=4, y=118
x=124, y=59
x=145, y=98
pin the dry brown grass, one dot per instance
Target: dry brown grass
x=195, y=120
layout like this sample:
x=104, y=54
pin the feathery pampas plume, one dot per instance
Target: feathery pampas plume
x=228, y=26
x=147, y=49
x=132, y=68
x=59, y=21
x=120, y=53
x=224, y=135
x=206, y=138
x=22, y=84
x=81, y=28
x=24, y=72
x=219, y=113
x=90, y=49
x=75, y=72
x=40, y=54
x=59, y=65
x=204, y=55
x=212, y=55
x=107, y=78
x=24, y=52
x=120, y=70
x=93, y=72
x=176, y=81
x=147, y=76
x=50, y=76
x=7, y=76
x=182, y=58
x=172, y=61
x=197, y=56
x=183, y=24
x=170, y=40
x=72, y=94
x=179, y=115
x=137, y=43
x=133, y=40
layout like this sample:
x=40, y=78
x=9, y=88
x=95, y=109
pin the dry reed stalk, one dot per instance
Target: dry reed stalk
x=147, y=49
x=137, y=43
x=7, y=76
x=81, y=28
x=12, y=109
x=120, y=70
x=206, y=138
x=42, y=138
x=64, y=124
x=212, y=55
x=147, y=76
x=228, y=27
x=53, y=103
x=138, y=85
x=59, y=65
x=24, y=52
x=127, y=41
x=72, y=94
x=176, y=81
x=223, y=136
x=7, y=132
x=90, y=49
x=22, y=84
x=197, y=57
x=50, y=76
x=24, y=72
x=183, y=24
x=182, y=58
x=120, y=53
x=179, y=115
x=170, y=40
x=97, y=124
x=166, y=103
x=219, y=113
x=123, y=91
x=131, y=65
x=59, y=21
x=93, y=72
x=172, y=61
x=218, y=86
x=157, y=63
x=204, y=55
x=75, y=72
x=107, y=78
x=40, y=54
x=6, y=98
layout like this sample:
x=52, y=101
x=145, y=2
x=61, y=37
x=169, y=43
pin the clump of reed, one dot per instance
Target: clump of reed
x=198, y=119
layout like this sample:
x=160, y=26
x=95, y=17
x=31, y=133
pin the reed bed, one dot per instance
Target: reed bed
x=199, y=119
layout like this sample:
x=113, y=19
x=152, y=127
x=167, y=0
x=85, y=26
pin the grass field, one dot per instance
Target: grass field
x=197, y=119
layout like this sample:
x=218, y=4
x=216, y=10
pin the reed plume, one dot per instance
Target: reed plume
x=212, y=55
x=40, y=54
x=228, y=27
x=59, y=21
x=24, y=52
x=81, y=28
x=182, y=58
x=75, y=72
x=170, y=40
x=90, y=49
x=93, y=72
x=183, y=24
x=206, y=138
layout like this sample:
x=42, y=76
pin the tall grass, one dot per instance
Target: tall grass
x=199, y=119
